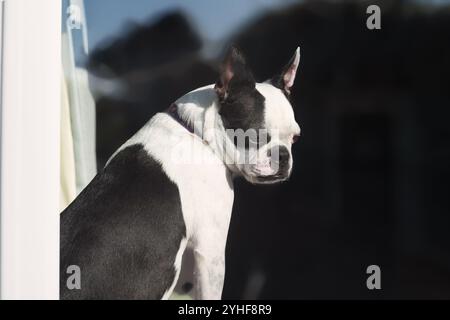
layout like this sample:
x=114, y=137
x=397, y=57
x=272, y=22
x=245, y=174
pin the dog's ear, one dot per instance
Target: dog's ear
x=285, y=80
x=234, y=73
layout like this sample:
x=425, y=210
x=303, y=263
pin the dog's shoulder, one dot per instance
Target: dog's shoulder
x=131, y=193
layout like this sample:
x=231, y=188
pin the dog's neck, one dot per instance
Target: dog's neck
x=198, y=113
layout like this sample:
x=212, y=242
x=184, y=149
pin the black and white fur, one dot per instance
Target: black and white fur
x=128, y=229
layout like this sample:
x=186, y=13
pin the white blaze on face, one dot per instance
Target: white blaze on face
x=279, y=121
x=279, y=115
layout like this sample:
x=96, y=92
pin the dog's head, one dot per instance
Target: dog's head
x=258, y=119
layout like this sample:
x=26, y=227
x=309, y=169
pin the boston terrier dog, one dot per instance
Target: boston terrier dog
x=170, y=187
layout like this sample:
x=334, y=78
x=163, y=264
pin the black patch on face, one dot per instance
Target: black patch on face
x=123, y=231
x=244, y=109
x=241, y=105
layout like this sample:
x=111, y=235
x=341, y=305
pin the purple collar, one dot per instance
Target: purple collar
x=173, y=112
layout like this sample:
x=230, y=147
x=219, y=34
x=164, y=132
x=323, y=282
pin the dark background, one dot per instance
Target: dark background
x=371, y=174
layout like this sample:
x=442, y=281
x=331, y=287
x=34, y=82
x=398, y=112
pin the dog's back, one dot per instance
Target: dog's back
x=123, y=231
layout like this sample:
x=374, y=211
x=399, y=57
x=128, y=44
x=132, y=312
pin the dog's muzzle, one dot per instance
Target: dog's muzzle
x=275, y=167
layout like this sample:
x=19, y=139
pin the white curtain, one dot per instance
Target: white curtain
x=78, y=124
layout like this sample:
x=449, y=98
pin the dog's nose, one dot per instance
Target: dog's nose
x=279, y=156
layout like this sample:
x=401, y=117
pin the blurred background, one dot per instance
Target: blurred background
x=370, y=183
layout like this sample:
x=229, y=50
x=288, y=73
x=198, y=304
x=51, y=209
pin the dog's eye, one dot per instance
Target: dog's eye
x=295, y=138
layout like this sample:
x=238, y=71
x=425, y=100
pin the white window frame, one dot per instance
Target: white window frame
x=30, y=133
